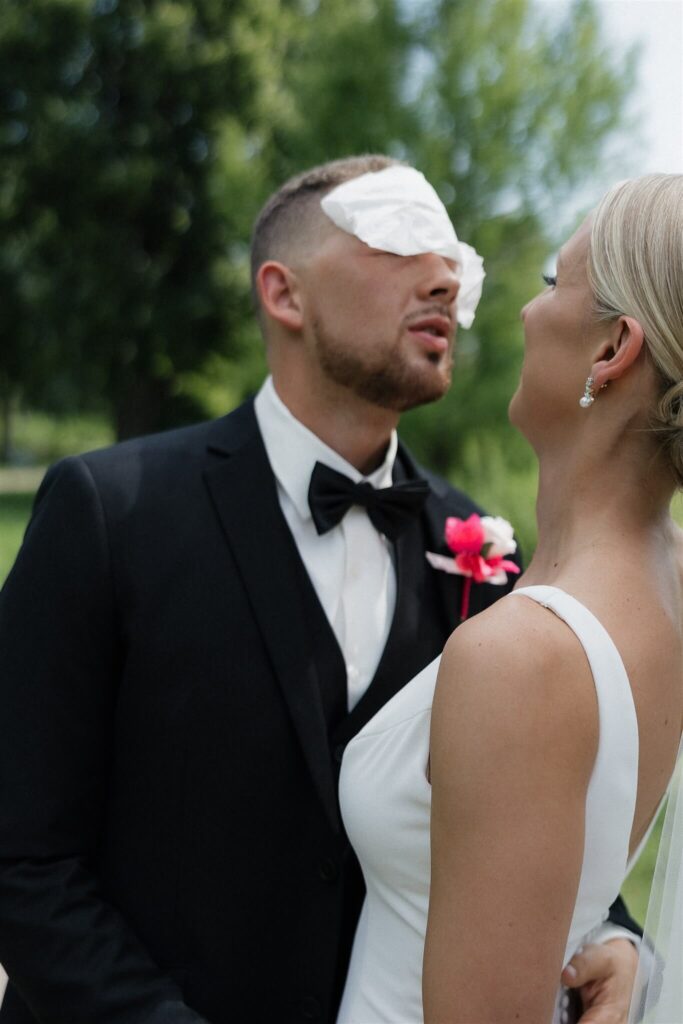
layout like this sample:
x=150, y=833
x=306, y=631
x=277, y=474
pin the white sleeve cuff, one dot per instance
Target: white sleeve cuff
x=609, y=931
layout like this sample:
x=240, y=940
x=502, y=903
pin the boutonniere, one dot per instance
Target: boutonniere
x=479, y=545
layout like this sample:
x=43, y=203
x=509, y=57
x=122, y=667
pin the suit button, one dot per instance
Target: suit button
x=310, y=1008
x=338, y=753
x=328, y=870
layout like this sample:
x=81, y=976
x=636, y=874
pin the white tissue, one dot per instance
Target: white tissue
x=398, y=211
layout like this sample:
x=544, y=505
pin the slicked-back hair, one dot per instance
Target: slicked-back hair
x=635, y=268
x=292, y=212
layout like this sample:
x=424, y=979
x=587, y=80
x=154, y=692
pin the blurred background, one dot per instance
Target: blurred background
x=139, y=139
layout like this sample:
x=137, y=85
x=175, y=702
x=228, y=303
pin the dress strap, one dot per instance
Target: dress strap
x=612, y=790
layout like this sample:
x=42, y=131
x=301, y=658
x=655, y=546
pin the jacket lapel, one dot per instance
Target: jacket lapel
x=446, y=502
x=243, y=490
x=427, y=602
x=403, y=649
x=448, y=586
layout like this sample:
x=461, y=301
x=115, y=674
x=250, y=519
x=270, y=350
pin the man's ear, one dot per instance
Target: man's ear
x=620, y=353
x=279, y=294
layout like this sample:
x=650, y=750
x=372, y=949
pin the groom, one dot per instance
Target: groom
x=195, y=626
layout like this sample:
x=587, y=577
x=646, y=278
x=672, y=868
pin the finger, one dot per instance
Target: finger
x=589, y=963
x=603, y=1015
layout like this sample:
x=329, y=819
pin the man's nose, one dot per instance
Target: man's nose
x=440, y=278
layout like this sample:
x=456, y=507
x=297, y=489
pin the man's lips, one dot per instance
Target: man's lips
x=434, y=332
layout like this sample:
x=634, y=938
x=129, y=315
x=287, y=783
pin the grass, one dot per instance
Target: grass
x=15, y=508
x=39, y=439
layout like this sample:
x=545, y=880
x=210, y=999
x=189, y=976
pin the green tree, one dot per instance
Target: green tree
x=515, y=111
x=139, y=137
x=506, y=110
x=112, y=112
x=333, y=73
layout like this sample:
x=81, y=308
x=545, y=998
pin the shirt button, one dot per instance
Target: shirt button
x=328, y=870
x=310, y=1008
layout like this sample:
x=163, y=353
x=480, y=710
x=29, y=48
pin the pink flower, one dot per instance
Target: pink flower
x=465, y=535
x=479, y=546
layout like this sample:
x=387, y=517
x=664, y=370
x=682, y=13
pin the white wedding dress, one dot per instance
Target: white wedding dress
x=385, y=802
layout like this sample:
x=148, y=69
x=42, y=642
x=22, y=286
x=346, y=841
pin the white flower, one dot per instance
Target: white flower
x=499, y=534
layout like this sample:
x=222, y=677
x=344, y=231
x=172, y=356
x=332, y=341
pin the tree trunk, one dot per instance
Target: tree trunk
x=140, y=407
x=6, y=397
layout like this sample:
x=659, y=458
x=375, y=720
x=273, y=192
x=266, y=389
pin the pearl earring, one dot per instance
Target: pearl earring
x=588, y=396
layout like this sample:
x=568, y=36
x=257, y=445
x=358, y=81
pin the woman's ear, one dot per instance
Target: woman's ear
x=279, y=294
x=620, y=353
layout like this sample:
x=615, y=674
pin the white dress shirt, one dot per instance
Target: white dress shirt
x=350, y=566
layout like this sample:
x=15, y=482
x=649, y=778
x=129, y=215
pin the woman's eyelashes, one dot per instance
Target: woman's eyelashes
x=550, y=279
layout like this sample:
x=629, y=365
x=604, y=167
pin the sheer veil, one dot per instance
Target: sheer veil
x=658, y=991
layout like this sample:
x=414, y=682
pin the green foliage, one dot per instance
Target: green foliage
x=41, y=438
x=344, y=70
x=140, y=137
x=636, y=889
x=511, y=111
x=503, y=485
x=111, y=112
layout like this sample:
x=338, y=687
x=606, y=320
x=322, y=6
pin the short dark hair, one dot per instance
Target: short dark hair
x=290, y=212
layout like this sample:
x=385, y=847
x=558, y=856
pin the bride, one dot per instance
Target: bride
x=557, y=713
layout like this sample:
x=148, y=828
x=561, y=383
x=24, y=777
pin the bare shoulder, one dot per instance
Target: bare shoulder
x=516, y=635
x=518, y=675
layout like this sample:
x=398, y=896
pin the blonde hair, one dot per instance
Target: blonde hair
x=635, y=267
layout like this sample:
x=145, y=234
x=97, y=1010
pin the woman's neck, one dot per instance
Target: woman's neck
x=595, y=513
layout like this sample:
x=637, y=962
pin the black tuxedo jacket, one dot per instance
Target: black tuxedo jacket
x=170, y=733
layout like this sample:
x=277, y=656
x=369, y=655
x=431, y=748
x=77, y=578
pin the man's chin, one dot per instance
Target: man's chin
x=427, y=398
x=415, y=394
x=398, y=385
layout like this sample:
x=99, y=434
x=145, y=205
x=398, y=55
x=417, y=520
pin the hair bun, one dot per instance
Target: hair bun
x=636, y=268
x=668, y=422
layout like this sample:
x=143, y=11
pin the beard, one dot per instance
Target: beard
x=388, y=380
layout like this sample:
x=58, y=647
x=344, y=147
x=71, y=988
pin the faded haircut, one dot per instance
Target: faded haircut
x=292, y=214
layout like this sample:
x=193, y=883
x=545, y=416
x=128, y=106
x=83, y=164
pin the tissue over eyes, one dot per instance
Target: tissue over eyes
x=398, y=211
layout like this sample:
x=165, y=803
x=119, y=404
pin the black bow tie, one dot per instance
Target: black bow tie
x=331, y=495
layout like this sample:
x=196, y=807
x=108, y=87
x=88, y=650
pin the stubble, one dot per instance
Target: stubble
x=389, y=380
